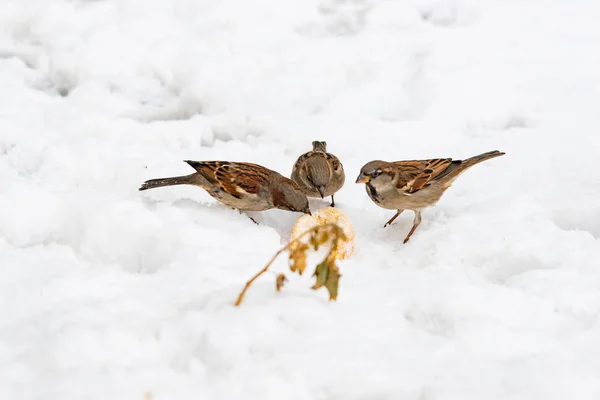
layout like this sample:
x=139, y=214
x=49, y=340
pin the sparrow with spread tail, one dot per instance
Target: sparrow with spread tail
x=242, y=186
x=319, y=173
x=413, y=184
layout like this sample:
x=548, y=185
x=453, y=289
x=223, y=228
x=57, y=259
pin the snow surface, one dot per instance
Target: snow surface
x=111, y=293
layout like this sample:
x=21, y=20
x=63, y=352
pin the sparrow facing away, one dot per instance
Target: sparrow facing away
x=414, y=184
x=319, y=173
x=240, y=185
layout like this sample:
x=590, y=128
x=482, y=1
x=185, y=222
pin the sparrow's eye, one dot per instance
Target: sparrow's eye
x=376, y=173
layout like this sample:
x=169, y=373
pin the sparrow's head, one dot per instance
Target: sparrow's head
x=376, y=171
x=289, y=197
x=319, y=146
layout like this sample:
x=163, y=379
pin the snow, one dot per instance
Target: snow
x=111, y=293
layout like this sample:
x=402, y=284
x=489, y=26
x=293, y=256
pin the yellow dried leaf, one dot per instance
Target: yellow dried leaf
x=341, y=236
x=280, y=281
x=313, y=241
x=323, y=236
x=297, y=258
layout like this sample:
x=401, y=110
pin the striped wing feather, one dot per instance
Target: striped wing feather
x=417, y=174
x=235, y=178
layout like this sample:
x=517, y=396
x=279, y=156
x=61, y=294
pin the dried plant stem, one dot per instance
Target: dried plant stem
x=262, y=271
x=266, y=268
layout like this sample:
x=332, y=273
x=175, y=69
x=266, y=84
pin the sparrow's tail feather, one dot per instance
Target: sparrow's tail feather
x=458, y=167
x=193, y=179
x=469, y=162
x=318, y=172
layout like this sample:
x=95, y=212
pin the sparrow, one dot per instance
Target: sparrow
x=413, y=184
x=319, y=173
x=240, y=185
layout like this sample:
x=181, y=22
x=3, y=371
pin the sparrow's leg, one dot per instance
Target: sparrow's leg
x=416, y=223
x=393, y=218
x=332, y=202
x=251, y=219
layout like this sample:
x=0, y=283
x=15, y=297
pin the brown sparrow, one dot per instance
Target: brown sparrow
x=415, y=184
x=319, y=173
x=240, y=185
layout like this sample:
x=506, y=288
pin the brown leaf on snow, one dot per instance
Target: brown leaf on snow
x=280, y=281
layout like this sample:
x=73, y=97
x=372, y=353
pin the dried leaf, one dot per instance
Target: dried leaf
x=322, y=236
x=280, y=281
x=333, y=279
x=327, y=272
x=341, y=236
x=321, y=274
x=297, y=258
x=313, y=241
x=328, y=275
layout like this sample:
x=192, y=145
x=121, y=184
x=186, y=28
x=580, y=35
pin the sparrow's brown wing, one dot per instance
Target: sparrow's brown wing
x=330, y=158
x=301, y=161
x=417, y=174
x=234, y=178
x=311, y=169
x=335, y=162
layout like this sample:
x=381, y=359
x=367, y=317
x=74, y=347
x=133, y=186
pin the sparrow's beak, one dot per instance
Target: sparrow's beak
x=321, y=190
x=363, y=179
